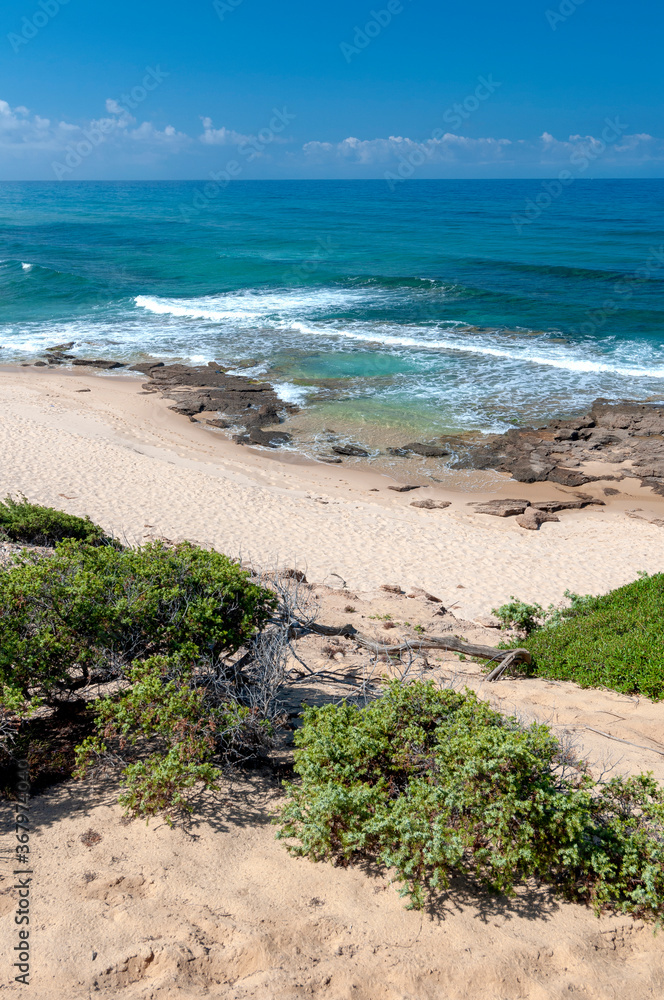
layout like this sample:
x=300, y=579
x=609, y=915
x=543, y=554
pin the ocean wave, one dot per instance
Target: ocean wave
x=252, y=305
x=463, y=347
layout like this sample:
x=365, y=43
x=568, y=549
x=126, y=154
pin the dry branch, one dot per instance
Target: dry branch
x=505, y=657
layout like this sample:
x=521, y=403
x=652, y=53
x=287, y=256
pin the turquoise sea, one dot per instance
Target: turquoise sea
x=426, y=308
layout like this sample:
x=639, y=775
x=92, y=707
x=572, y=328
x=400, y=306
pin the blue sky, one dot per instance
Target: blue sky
x=350, y=89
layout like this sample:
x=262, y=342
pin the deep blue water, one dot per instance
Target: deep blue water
x=425, y=306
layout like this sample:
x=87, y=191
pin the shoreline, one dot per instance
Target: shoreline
x=120, y=455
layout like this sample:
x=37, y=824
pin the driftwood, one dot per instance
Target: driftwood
x=506, y=657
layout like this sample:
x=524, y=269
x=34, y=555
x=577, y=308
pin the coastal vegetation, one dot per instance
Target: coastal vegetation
x=164, y=663
x=22, y=521
x=432, y=783
x=615, y=640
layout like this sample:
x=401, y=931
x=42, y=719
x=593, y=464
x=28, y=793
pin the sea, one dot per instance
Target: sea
x=392, y=311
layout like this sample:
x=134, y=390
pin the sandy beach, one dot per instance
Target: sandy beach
x=141, y=471
x=221, y=909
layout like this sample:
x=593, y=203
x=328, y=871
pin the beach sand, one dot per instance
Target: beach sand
x=141, y=471
x=222, y=910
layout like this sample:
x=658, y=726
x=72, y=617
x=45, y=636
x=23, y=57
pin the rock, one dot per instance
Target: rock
x=426, y=450
x=40, y=364
x=429, y=504
x=147, y=367
x=350, y=449
x=83, y=390
x=187, y=409
x=404, y=489
x=532, y=518
x=527, y=472
x=61, y=347
x=418, y=592
x=98, y=363
x=610, y=492
x=568, y=477
x=269, y=439
x=391, y=588
x=500, y=508
x=551, y=506
x=330, y=459
x=566, y=434
x=218, y=423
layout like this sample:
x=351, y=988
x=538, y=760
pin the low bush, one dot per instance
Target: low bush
x=88, y=609
x=614, y=641
x=187, y=721
x=430, y=783
x=160, y=623
x=22, y=521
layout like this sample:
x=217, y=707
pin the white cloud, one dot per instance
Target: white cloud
x=23, y=133
x=612, y=145
x=221, y=136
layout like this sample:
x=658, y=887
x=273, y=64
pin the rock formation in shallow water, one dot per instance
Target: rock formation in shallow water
x=615, y=433
x=244, y=402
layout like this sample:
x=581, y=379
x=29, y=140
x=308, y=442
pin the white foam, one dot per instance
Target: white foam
x=290, y=393
x=458, y=347
x=252, y=305
x=27, y=267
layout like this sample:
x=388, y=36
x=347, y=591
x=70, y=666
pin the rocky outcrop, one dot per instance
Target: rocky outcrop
x=614, y=433
x=430, y=504
x=532, y=518
x=425, y=450
x=245, y=403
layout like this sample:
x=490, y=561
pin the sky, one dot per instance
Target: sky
x=161, y=89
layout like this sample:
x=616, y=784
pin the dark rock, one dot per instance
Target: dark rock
x=147, y=367
x=391, y=588
x=426, y=450
x=610, y=492
x=61, y=347
x=218, y=423
x=187, y=409
x=40, y=364
x=525, y=472
x=404, y=489
x=350, y=449
x=431, y=504
x=568, y=477
x=269, y=439
x=330, y=459
x=98, y=363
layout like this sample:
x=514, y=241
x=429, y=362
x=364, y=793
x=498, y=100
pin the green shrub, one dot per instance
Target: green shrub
x=187, y=724
x=21, y=521
x=88, y=608
x=614, y=641
x=430, y=783
x=519, y=615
